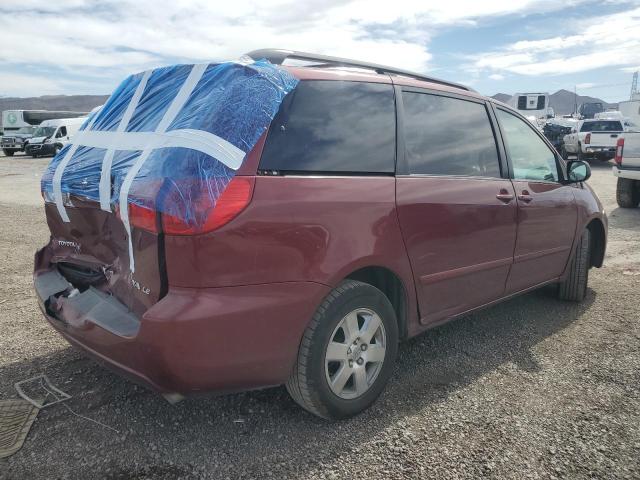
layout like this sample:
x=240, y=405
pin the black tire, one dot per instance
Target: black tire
x=628, y=193
x=56, y=150
x=8, y=153
x=308, y=384
x=574, y=288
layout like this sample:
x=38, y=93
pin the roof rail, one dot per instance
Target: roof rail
x=278, y=56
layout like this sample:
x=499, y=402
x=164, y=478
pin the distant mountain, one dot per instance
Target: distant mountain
x=502, y=97
x=563, y=101
x=73, y=103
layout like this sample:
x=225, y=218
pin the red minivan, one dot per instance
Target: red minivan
x=380, y=203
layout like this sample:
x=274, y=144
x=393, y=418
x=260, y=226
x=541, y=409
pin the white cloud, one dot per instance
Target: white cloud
x=131, y=35
x=496, y=76
x=604, y=41
x=586, y=85
x=12, y=84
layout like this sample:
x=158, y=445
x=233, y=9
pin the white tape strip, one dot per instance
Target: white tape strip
x=176, y=105
x=57, y=175
x=105, y=172
x=200, y=140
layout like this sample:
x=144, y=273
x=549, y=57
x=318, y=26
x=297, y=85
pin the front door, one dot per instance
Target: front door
x=547, y=213
x=457, y=213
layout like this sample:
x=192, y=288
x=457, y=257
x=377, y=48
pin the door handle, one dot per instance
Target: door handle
x=504, y=196
x=525, y=196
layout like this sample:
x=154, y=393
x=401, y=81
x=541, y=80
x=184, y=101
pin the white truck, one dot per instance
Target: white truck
x=593, y=139
x=627, y=169
x=52, y=135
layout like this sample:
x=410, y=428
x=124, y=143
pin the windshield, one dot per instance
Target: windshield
x=601, y=126
x=44, y=131
x=26, y=130
x=591, y=108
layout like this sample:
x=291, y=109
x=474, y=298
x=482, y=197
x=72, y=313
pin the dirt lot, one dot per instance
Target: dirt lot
x=532, y=388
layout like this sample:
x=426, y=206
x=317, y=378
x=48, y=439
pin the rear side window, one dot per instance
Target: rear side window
x=333, y=126
x=448, y=136
x=601, y=126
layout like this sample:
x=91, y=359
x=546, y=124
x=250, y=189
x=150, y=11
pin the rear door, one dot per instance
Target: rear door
x=456, y=207
x=547, y=213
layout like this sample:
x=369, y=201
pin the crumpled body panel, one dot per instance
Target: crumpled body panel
x=169, y=139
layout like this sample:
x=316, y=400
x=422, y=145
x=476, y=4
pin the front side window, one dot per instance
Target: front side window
x=448, y=136
x=333, y=126
x=531, y=158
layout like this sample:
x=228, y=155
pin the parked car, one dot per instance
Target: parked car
x=15, y=140
x=52, y=135
x=556, y=130
x=627, y=169
x=593, y=139
x=379, y=203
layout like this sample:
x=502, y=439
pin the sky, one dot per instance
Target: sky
x=87, y=47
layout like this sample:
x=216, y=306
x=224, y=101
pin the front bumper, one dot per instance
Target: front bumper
x=15, y=147
x=225, y=339
x=627, y=173
x=40, y=149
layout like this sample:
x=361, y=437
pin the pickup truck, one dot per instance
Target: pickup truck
x=13, y=141
x=593, y=139
x=627, y=169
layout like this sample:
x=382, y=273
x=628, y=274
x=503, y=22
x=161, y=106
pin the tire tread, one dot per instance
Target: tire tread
x=574, y=287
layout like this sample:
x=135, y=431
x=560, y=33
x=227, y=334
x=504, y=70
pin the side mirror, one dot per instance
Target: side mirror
x=578, y=171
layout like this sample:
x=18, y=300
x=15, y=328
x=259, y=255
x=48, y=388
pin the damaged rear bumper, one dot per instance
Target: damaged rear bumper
x=224, y=339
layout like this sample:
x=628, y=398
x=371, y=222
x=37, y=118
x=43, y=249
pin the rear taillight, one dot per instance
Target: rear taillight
x=619, y=150
x=235, y=198
x=587, y=139
x=143, y=217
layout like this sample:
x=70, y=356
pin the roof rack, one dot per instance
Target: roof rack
x=278, y=56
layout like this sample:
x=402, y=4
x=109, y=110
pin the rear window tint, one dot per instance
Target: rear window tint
x=601, y=126
x=333, y=126
x=447, y=136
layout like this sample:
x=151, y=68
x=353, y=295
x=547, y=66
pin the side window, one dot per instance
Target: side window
x=531, y=158
x=447, y=136
x=62, y=132
x=333, y=126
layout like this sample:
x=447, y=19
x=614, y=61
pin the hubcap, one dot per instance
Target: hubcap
x=355, y=353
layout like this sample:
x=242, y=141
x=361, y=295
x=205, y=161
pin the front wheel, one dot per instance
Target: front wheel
x=574, y=287
x=8, y=153
x=347, y=352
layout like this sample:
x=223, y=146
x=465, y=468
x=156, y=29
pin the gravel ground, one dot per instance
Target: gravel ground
x=531, y=388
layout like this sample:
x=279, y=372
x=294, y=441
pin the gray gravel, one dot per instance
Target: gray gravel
x=531, y=388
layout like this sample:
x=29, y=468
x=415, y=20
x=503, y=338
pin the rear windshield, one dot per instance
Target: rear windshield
x=601, y=126
x=333, y=126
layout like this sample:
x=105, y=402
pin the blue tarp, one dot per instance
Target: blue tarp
x=190, y=146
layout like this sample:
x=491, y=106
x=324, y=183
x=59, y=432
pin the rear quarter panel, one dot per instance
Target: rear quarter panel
x=299, y=228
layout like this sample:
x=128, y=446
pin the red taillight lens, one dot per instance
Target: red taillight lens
x=587, y=139
x=619, y=151
x=235, y=198
x=143, y=217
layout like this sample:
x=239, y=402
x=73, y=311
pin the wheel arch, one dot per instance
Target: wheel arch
x=389, y=283
x=598, y=242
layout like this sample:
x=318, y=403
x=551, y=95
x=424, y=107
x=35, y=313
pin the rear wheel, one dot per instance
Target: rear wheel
x=8, y=153
x=628, y=193
x=347, y=352
x=574, y=288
